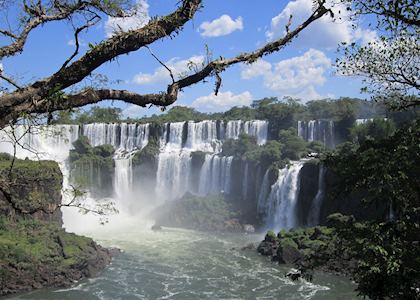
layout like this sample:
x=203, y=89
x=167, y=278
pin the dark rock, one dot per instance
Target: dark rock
x=250, y=246
x=269, y=246
x=288, y=254
x=156, y=227
x=294, y=274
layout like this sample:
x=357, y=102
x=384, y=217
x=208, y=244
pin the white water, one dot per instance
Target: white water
x=175, y=161
x=314, y=212
x=215, y=175
x=317, y=130
x=279, y=208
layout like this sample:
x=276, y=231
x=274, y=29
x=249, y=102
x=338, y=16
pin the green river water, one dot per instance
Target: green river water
x=184, y=264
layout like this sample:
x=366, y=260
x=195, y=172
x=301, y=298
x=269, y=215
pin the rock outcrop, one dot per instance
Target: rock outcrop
x=35, y=252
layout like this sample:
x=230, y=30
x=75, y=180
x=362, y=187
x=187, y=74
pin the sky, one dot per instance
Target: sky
x=304, y=69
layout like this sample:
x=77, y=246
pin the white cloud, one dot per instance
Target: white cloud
x=221, y=26
x=139, y=18
x=258, y=68
x=324, y=32
x=133, y=111
x=161, y=74
x=222, y=102
x=1, y=68
x=297, y=76
x=365, y=36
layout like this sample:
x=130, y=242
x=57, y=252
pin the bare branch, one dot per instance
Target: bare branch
x=10, y=81
x=34, y=99
x=38, y=15
x=90, y=23
x=165, y=66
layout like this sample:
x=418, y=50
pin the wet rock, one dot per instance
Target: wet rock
x=250, y=246
x=156, y=227
x=269, y=246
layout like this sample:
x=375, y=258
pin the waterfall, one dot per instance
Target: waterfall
x=317, y=130
x=172, y=175
x=363, y=121
x=215, y=175
x=123, y=137
x=203, y=136
x=256, y=128
x=245, y=182
x=177, y=141
x=226, y=173
x=279, y=209
x=264, y=190
x=172, y=137
x=315, y=210
x=123, y=178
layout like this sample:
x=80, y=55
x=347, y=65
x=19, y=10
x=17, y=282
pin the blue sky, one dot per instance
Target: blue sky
x=303, y=69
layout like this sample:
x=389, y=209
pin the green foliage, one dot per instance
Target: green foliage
x=92, y=167
x=388, y=170
x=95, y=114
x=5, y=156
x=239, y=147
x=104, y=150
x=389, y=64
x=316, y=146
x=30, y=245
x=386, y=254
x=147, y=154
x=377, y=129
x=271, y=235
x=31, y=170
x=239, y=113
x=175, y=114
x=294, y=146
x=267, y=154
x=82, y=145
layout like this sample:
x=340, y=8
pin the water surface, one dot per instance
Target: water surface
x=183, y=264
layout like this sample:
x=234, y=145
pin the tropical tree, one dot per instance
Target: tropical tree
x=389, y=64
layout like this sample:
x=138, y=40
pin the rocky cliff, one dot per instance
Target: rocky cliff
x=35, y=251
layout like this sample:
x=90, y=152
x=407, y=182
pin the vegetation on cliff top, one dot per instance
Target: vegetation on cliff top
x=92, y=167
x=36, y=254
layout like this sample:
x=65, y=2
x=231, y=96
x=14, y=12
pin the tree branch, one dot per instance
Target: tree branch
x=38, y=15
x=34, y=99
x=90, y=23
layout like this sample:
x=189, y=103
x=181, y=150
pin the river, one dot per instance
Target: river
x=186, y=264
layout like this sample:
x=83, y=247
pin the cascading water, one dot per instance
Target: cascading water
x=317, y=130
x=279, y=208
x=245, y=182
x=177, y=141
x=256, y=128
x=177, y=146
x=315, y=210
x=215, y=175
x=264, y=191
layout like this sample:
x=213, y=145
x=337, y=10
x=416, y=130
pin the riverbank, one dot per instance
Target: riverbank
x=188, y=265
